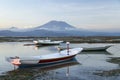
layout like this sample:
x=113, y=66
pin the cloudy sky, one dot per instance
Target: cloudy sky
x=86, y=14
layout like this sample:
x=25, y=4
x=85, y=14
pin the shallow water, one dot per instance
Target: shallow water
x=89, y=65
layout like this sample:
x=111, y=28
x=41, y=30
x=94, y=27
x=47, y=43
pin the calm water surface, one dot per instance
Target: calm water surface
x=89, y=65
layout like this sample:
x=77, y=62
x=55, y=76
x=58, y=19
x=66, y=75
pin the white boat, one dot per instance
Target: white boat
x=98, y=48
x=95, y=48
x=47, y=42
x=62, y=64
x=45, y=59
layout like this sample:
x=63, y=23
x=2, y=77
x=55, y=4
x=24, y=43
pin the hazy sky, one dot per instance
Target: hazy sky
x=87, y=14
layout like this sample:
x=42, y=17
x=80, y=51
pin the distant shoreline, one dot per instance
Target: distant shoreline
x=85, y=39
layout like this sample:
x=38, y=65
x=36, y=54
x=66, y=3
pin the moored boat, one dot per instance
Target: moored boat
x=47, y=42
x=99, y=48
x=95, y=48
x=45, y=59
x=51, y=66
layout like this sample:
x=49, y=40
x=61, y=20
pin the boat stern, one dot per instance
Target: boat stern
x=14, y=60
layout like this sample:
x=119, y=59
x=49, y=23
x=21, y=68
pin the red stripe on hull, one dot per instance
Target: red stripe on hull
x=56, y=59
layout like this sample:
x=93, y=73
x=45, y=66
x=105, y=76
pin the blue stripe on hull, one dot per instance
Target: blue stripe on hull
x=45, y=65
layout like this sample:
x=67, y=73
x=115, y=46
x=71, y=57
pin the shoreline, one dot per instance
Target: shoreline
x=86, y=39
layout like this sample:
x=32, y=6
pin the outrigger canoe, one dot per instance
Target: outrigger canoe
x=45, y=59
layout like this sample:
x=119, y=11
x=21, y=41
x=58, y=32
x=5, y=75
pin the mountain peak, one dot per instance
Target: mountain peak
x=54, y=22
x=56, y=25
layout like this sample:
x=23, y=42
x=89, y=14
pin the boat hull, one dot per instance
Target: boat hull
x=46, y=44
x=90, y=48
x=50, y=66
x=96, y=48
x=45, y=59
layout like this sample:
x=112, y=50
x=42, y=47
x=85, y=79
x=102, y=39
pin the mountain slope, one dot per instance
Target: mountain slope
x=53, y=29
x=56, y=26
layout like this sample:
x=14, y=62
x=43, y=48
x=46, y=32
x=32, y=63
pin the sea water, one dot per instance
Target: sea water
x=93, y=65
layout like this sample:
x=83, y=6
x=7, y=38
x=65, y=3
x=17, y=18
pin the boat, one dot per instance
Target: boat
x=45, y=59
x=95, y=48
x=50, y=66
x=98, y=48
x=47, y=42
